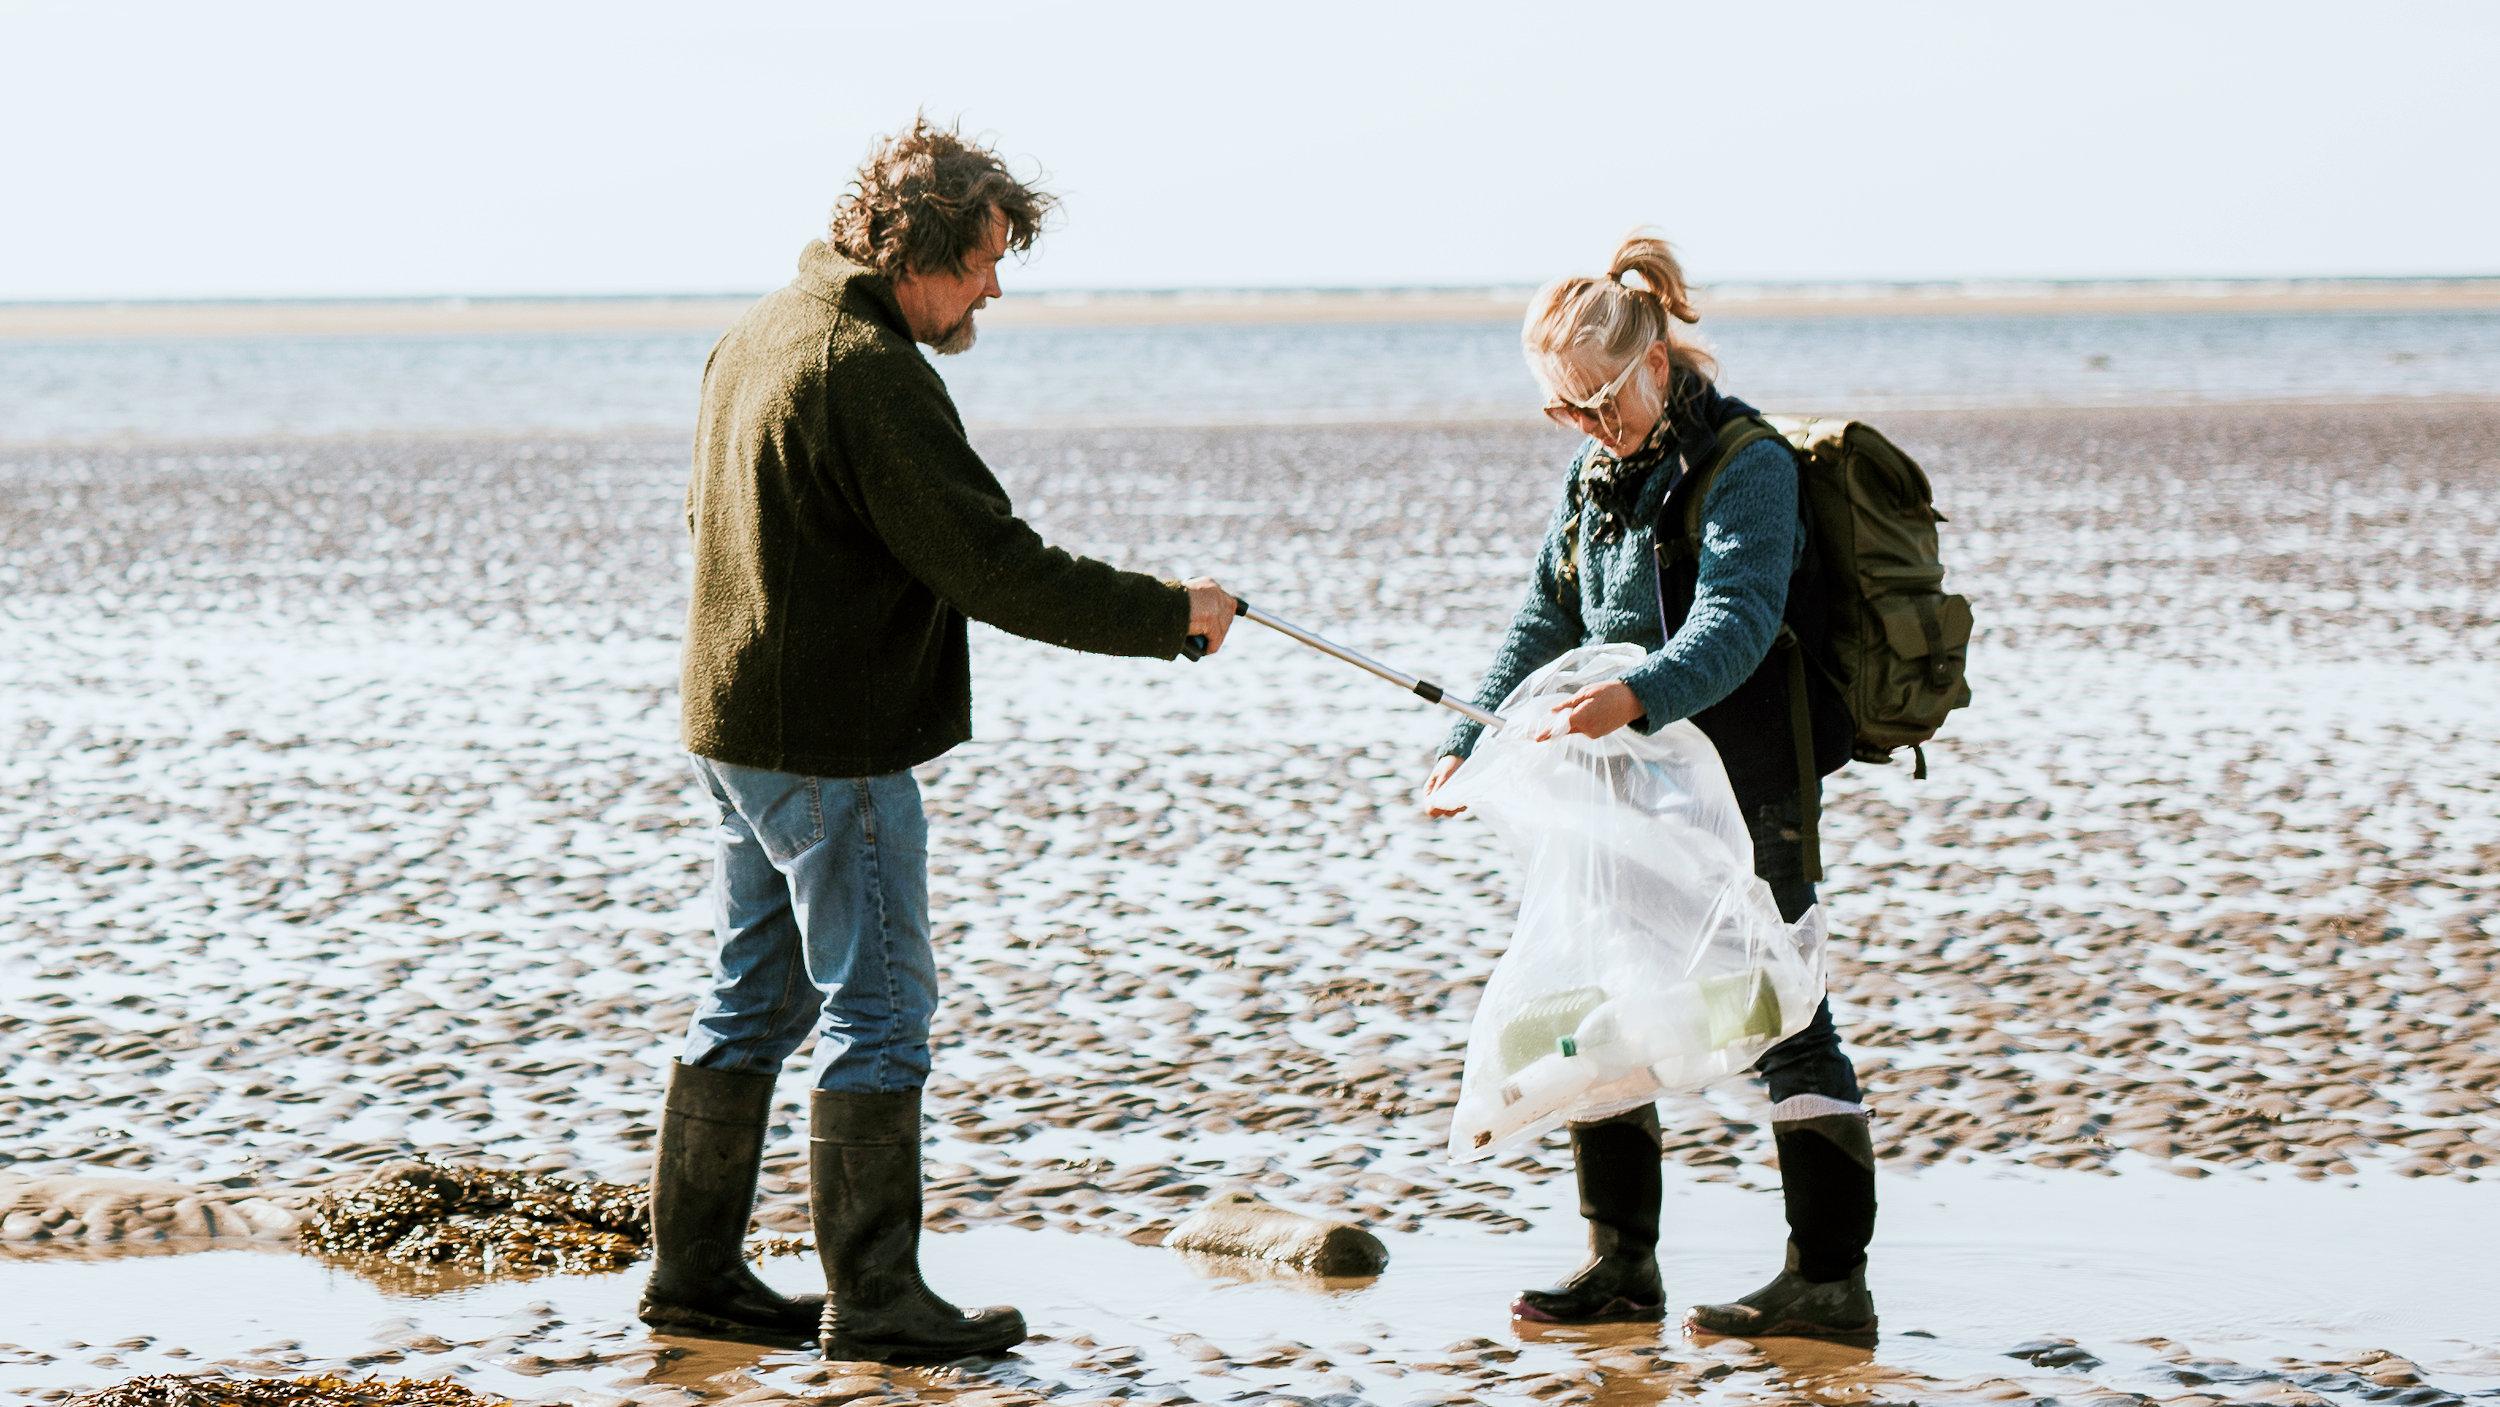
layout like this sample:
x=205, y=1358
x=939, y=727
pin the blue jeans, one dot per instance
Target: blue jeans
x=820, y=903
x=1811, y=1061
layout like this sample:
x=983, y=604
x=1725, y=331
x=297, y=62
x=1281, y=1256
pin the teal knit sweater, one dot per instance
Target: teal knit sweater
x=1752, y=540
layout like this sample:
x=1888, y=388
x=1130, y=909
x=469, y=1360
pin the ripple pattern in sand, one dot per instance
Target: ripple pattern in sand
x=343, y=817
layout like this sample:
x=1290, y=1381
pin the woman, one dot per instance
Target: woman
x=1711, y=616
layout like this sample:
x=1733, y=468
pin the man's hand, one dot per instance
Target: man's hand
x=1593, y=712
x=1442, y=771
x=1211, y=610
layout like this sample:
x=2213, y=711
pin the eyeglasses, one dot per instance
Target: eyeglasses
x=1589, y=415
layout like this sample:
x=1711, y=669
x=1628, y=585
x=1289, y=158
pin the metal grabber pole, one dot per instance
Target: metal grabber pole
x=1423, y=689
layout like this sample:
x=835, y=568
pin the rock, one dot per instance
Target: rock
x=2055, y=1353
x=1239, y=1224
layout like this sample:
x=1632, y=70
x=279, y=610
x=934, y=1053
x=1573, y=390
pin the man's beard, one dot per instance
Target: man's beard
x=954, y=340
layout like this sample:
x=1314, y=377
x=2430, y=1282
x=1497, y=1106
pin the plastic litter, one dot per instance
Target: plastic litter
x=1649, y=959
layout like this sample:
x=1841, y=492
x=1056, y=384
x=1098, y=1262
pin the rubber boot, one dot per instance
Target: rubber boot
x=1827, y=1179
x=1616, y=1161
x=712, y=1126
x=864, y=1162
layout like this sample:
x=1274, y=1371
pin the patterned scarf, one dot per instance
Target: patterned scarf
x=1613, y=485
x=1625, y=489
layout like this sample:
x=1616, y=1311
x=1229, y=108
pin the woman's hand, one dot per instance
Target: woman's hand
x=1442, y=771
x=1593, y=712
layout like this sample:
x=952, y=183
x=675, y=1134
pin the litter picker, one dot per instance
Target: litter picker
x=1423, y=689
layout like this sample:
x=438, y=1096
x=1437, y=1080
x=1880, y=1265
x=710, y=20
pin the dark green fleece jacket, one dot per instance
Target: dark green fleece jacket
x=843, y=531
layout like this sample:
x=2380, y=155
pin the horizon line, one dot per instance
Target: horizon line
x=1414, y=305
x=1818, y=288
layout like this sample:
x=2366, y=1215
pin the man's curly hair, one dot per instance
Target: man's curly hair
x=922, y=202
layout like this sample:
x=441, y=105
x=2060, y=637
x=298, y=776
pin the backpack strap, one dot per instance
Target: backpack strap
x=1801, y=737
x=1734, y=437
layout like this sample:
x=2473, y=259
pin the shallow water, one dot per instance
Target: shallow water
x=2165, y=1280
x=1031, y=376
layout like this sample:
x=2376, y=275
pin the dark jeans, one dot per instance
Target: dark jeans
x=1809, y=1062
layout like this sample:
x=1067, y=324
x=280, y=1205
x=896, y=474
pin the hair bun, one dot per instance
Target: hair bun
x=1589, y=322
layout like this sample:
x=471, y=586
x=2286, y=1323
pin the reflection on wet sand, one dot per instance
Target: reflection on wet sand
x=2155, y=1288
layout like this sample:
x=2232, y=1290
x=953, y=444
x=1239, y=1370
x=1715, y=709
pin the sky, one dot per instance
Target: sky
x=251, y=148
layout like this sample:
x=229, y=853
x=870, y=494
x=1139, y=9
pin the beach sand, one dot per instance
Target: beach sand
x=344, y=819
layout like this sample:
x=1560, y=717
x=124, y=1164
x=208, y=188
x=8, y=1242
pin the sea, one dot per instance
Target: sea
x=91, y=389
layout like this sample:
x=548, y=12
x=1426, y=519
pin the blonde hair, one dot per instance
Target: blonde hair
x=1594, y=326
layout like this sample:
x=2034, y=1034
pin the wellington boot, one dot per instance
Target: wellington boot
x=1616, y=1161
x=864, y=1163
x=1827, y=1181
x=1827, y=1186
x=1792, y=1306
x=702, y=1193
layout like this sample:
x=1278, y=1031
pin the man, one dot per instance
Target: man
x=844, y=530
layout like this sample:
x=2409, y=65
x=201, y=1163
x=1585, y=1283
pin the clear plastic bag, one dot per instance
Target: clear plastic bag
x=1649, y=958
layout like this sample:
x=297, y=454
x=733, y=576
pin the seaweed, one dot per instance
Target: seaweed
x=430, y=1215
x=328, y=1390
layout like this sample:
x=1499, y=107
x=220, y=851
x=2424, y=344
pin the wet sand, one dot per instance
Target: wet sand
x=1992, y=1305
x=343, y=820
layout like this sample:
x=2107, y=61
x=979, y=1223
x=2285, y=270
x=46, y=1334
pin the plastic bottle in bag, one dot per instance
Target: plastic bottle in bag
x=1531, y=1033
x=1687, y=1019
x=1547, y=1090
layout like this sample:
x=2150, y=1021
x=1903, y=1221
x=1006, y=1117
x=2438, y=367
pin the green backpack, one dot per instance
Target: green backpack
x=1897, y=639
